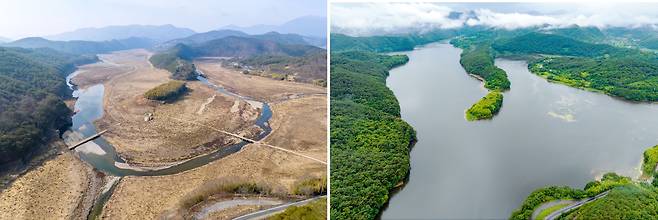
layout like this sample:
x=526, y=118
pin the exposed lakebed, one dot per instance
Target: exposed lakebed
x=101, y=155
x=545, y=134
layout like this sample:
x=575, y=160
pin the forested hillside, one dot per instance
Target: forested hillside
x=627, y=73
x=82, y=47
x=587, y=34
x=341, y=42
x=369, y=142
x=247, y=46
x=307, y=63
x=32, y=85
x=538, y=43
x=177, y=61
x=630, y=77
x=479, y=60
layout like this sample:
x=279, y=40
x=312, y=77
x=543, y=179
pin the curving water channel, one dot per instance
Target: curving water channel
x=545, y=134
x=102, y=155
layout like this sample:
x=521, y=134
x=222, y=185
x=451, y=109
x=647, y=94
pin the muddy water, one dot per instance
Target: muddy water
x=545, y=134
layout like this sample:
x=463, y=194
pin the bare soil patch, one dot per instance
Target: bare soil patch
x=260, y=88
x=59, y=189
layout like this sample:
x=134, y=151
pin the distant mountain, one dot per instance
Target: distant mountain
x=587, y=34
x=159, y=33
x=539, y=43
x=201, y=38
x=272, y=52
x=4, y=39
x=82, y=47
x=246, y=46
x=308, y=26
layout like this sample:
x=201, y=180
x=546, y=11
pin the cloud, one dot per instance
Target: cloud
x=487, y=17
x=390, y=17
x=379, y=18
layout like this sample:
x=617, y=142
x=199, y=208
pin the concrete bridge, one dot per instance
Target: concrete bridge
x=87, y=139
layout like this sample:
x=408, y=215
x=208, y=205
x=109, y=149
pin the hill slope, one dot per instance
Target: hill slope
x=246, y=46
x=82, y=47
x=31, y=89
x=158, y=33
x=539, y=43
x=314, y=26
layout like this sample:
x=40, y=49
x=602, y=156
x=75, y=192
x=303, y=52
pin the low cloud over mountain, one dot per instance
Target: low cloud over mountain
x=378, y=18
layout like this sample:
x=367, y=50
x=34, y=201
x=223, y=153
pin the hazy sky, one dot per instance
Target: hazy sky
x=377, y=18
x=22, y=18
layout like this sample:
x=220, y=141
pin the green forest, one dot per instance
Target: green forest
x=631, y=201
x=486, y=108
x=539, y=43
x=369, y=142
x=479, y=60
x=628, y=73
x=32, y=86
x=630, y=77
x=341, y=42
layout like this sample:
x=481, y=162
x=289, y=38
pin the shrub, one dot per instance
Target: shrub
x=311, y=187
x=166, y=91
x=486, y=108
x=650, y=161
x=222, y=186
x=316, y=210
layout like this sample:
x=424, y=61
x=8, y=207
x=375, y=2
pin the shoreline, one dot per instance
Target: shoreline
x=594, y=90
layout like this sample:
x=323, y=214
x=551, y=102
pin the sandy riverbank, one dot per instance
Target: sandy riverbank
x=62, y=188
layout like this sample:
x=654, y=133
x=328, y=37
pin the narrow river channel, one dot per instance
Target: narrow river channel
x=101, y=155
x=545, y=134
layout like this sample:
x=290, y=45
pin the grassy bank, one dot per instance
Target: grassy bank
x=316, y=210
x=222, y=187
x=486, y=108
x=311, y=187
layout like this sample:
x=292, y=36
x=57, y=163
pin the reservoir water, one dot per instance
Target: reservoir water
x=545, y=134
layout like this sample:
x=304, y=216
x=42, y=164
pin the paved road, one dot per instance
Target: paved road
x=575, y=205
x=271, y=211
